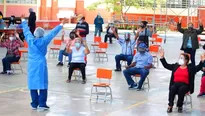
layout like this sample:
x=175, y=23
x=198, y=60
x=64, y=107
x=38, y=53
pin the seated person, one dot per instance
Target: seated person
x=109, y=32
x=182, y=78
x=62, y=51
x=13, y=55
x=79, y=53
x=142, y=62
x=127, y=51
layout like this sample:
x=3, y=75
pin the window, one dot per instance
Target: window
x=67, y=3
x=22, y=1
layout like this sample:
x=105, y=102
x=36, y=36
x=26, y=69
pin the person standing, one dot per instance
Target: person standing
x=83, y=27
x=32, y=20
x=98, y=25
x=37, y=65
x=143, y=33
x=190, y=41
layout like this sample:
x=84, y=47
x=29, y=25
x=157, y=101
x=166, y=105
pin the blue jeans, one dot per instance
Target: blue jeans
x=98, y=30
x=39, y=99
x=133, y=71
x=63, y=52
x=120, y=57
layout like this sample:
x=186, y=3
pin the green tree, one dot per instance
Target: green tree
x=117, y=6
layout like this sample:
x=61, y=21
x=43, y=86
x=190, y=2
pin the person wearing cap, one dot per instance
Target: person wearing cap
x=98, y=25
x=32, y=20
x=190, y=41
x=127, y=51
x=143, y=33
x=37, y=64
x=83, y=27
x=110, y=32
x=142, y=62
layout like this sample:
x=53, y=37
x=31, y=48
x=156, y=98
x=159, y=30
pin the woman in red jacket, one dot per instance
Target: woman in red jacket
x=182, y=79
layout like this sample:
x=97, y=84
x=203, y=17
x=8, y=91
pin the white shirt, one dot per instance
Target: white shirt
x=78, y=56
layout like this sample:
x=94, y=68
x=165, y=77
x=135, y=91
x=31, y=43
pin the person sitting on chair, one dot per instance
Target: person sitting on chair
x=110, y=32
x=142, y=62
x=182, y=78
x=13, y=55
x=127, y=51
x=79, y=53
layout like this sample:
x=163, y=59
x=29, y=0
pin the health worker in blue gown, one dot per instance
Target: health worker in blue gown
x=37, y=65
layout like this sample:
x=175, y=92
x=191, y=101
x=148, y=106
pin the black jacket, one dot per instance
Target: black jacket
x=194, y=35
x=83, y=28
x=32, y=20
x=191, y=70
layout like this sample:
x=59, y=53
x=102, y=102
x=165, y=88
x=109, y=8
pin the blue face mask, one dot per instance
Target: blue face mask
x=77, y=45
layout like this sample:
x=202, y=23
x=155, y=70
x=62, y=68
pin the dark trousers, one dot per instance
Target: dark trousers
x=7, y=62
x=192, y=55
x=178, y=88
x=73, y=66
x=120, y=57
x=110, y=37
x=39, y=99
x=32, y=29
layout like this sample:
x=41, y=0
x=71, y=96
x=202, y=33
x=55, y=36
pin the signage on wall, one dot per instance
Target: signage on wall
x=21, y=1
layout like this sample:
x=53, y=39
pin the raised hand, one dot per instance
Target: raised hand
x=161, y=53
x=17, y=35
x=23, y=16
x=202, y=57
x=180, y=19
x=64, y=21
x=200, y=21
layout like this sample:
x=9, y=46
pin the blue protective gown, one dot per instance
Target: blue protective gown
x=37, y=64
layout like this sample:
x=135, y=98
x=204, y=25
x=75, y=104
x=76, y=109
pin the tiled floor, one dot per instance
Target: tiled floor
x=73, y=99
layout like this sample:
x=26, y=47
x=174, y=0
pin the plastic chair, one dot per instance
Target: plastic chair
x=187, y=101
x=13, y=65
x=105, y=74
x=24, y=50
x=146, y=82
x=55, y=48
x=158, y=42
x=97, y=41
x=154, y=50
x=77, y=72
x=101, y=52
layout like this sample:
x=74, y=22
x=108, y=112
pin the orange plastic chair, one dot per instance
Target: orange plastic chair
x=105, y=74
x=101, y=52
x=97, y=40
x=145, y=82
x=155, y=35
x=55, y=48
x=154, y=50
x=13, y=65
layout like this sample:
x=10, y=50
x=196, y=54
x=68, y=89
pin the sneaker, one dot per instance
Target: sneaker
x=117, y=70
x=60, y=64
x=201, y=95
x=43, y=108
x=34, y=108
x=3, y=73
x=9, y=72
x=84, y=82
x=134, y=86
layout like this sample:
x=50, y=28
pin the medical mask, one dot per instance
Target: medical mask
x=77, y=45
x=127, y=36
x=12, y=18
x=11, y=38
x=80, y=21
x=181, y=61
x=142, y=52
x=142, y=26
x=190, y=27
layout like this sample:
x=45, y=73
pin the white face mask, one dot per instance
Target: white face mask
x=77, y=45
x=80, y=21
x=181, y=61
x=11, y=38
